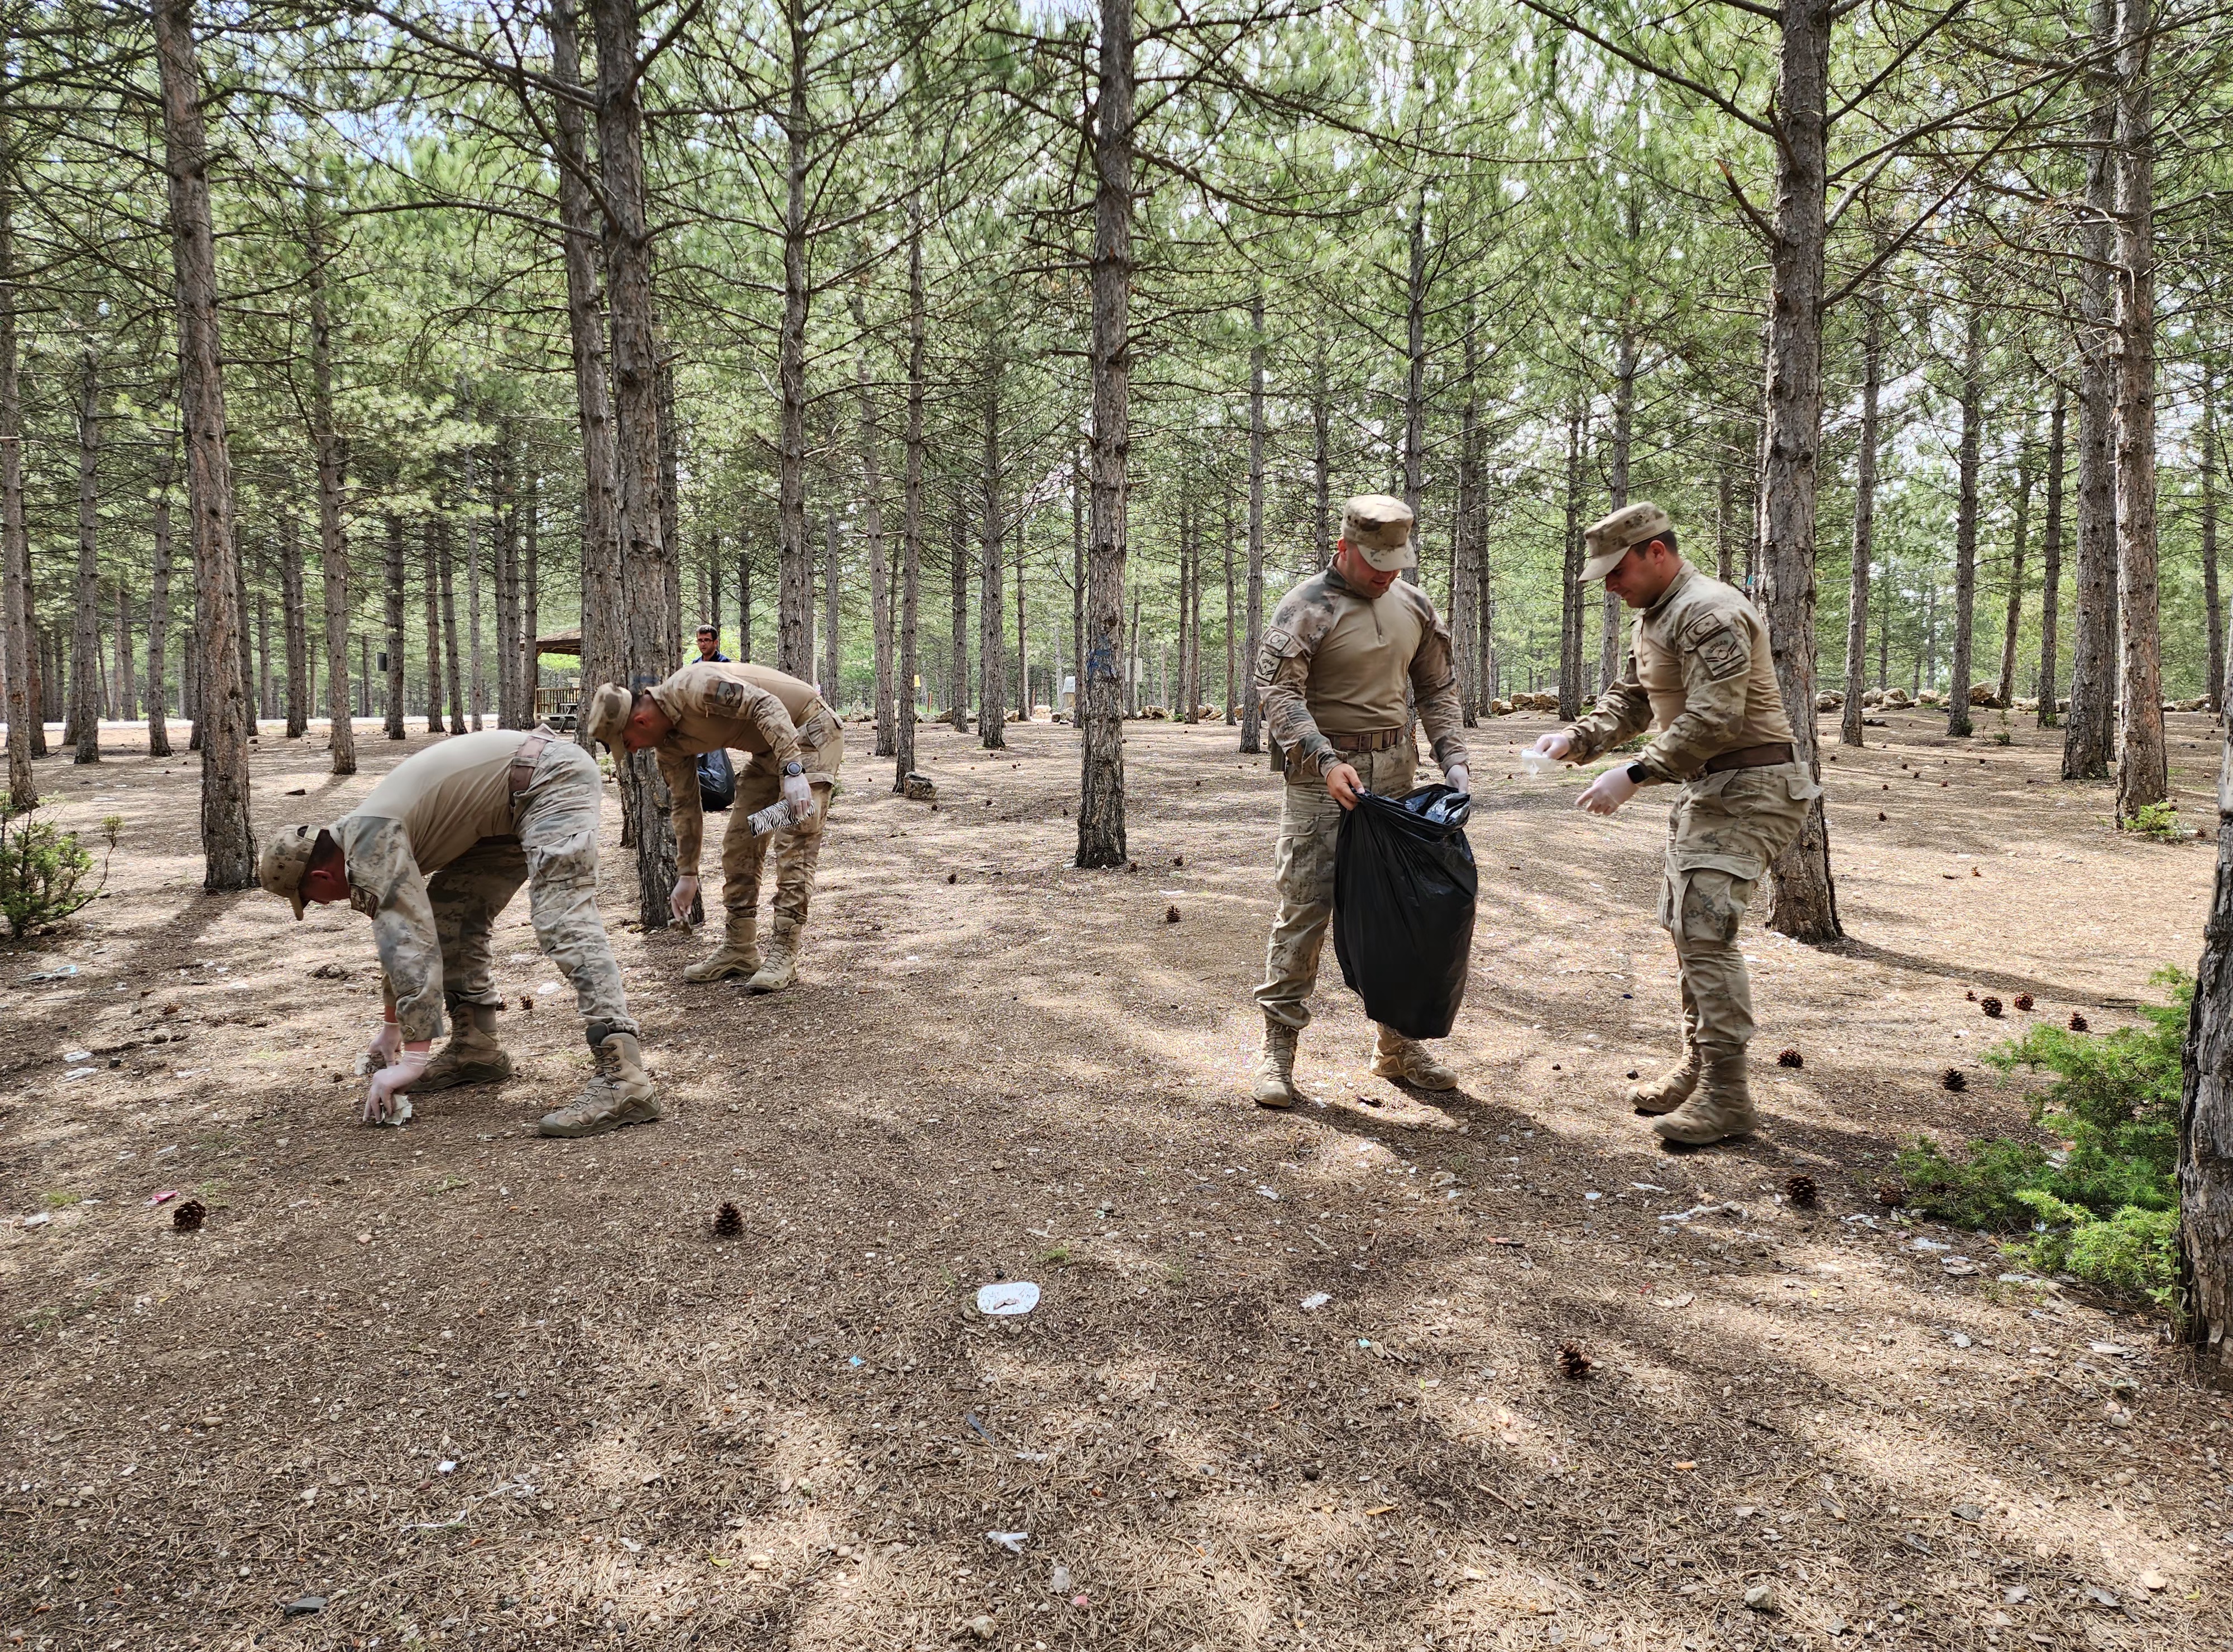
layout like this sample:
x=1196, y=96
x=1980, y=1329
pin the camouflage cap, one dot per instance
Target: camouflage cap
x=1380, y=528
x=285, y=862
x=604, y=711
x=1611, y=539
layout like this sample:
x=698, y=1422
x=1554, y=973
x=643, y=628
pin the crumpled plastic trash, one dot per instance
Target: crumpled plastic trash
x=1316, y=1299
x=1014, y=1542
x=1008, y=1296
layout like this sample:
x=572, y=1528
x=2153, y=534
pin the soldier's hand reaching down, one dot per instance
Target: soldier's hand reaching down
x=684, y=897
x=1343, y=785
x=389, y=1084
x=1557, y=745
x=387, y=1045
x=800, y=794
x=1607, y=792
x=1457, y=777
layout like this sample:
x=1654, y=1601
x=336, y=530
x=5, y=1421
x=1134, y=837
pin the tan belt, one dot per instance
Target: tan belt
x=1750, y=757
x=1379, y=740
x=523, y=760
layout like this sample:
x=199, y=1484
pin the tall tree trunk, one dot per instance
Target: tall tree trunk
x=872, y=525
x=1465, y=539
x=1232, y=638
x=1023, y=646
x=957, y=680
x=126, y=702
x=1415, y=356
x=478, y=682
x=1183, y=705
x=228, y=835
x=2019, y=543
x=189, y=674
x=333, y=545
x=530, y=602
x=604, y=648
x=158, y=614
x=911, y=506
x=504, y=540
x=744, y=597
x=85, y=654
x=445, y=567
x=2204, y=1306
x=1078, y=489
x=2143, y=771
x=433, y=552
x=2215, y=618
x=670, y=493
x=295, y=625
x=1321, y=463
x=1252, y=713
x=266, y=700
x=2089, y=738
x=1624, y=439
x=1724, y=516
x=647, y=560
x=1804, y=904
x=392, y=568
x=794, y=558
x=992, y=685
x=1965, y=520
x=1101, y=791
x=833, y=653
x=18, y=660
x=1865, y=518
x=2050, y=594
x=1571, y=595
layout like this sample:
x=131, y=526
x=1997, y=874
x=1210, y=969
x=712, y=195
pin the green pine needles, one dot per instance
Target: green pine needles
x=42, y=870
x=2102, y=1208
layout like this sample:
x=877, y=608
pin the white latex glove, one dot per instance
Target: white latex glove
x=1457, y=777
x=685, y=897
x=1557, y=745
x=798, y=792
x=387, y=1045
x=390, y=1083
x=1607, y=792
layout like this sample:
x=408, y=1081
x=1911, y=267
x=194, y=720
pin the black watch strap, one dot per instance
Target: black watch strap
x=794, y=767
x=1639, y=774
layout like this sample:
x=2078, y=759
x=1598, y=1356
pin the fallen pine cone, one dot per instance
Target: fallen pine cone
x=188, y=1217
x=728, y=1222
x=1880, y=813
x=1890, y=1192
x=2077, y=1022
x=1971, y=995
x=1574, y=1365
x=1954, y=1079
x=2023, y=1000
x=1791, y=1058
x=1991, y=1006
x=1799, y=1189
x=1172, y=916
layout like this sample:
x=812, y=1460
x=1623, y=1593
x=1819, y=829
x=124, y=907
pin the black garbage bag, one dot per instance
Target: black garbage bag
x=717, y=781
x=1403, y=889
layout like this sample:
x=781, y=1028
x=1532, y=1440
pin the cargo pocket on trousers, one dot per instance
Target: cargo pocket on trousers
x=563, y=863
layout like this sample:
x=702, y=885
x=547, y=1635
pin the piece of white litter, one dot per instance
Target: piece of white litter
x=1647, y=1187
x=39, y=1220
x=79, y=1072
x=1316, y=1299
x=1927, y=1245
x=1014, y=1542
x=546, y=989
x=77, y=1055
x=445, y=1465
x=1593, y=1195
x=1032, y=1457
x=913, y=959
x=1008, y=1296
x=1269, y=1193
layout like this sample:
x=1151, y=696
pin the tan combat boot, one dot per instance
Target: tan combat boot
x=619, y=1093
x=737, y=954
x=1721, y=1109
x=1275, y=1066
x=472, y=1056
x=781, y=967
x=1672, y=1088
x=1396, y=1057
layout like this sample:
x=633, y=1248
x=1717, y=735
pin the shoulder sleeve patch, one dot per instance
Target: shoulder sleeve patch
x=1717, y=648
x=1279, y=642
x=726, y=694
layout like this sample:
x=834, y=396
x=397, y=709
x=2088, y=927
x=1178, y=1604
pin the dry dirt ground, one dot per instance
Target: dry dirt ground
x=476, y=1389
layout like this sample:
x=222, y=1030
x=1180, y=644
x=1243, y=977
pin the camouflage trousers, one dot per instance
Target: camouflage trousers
x=796, y=848
x=1309, y=821
x=555, y=855
x=1721, y=833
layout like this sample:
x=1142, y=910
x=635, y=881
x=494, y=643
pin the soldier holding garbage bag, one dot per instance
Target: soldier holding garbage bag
x=1699, y=670
x=1347, y=654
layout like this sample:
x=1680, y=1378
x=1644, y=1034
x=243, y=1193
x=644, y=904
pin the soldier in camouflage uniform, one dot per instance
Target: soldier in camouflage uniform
x=794, y=745
x=1348, y=654
x=1699, y=668
x=432, y=857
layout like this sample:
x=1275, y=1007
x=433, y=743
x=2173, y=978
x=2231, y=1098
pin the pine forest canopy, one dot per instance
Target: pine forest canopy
x=928, y=350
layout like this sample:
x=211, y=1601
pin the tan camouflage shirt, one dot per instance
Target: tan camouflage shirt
x=718, y=705
x=1699, y=668
x=1337, y=662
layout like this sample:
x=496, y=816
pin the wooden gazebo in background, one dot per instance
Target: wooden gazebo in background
x=556, y=706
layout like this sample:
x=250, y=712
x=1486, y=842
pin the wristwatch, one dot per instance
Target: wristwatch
x=794, y=767
x=1638, y=775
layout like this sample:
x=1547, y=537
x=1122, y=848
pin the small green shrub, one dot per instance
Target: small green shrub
x=2159, y=821
x=2103, y=1207
x=42, y=870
